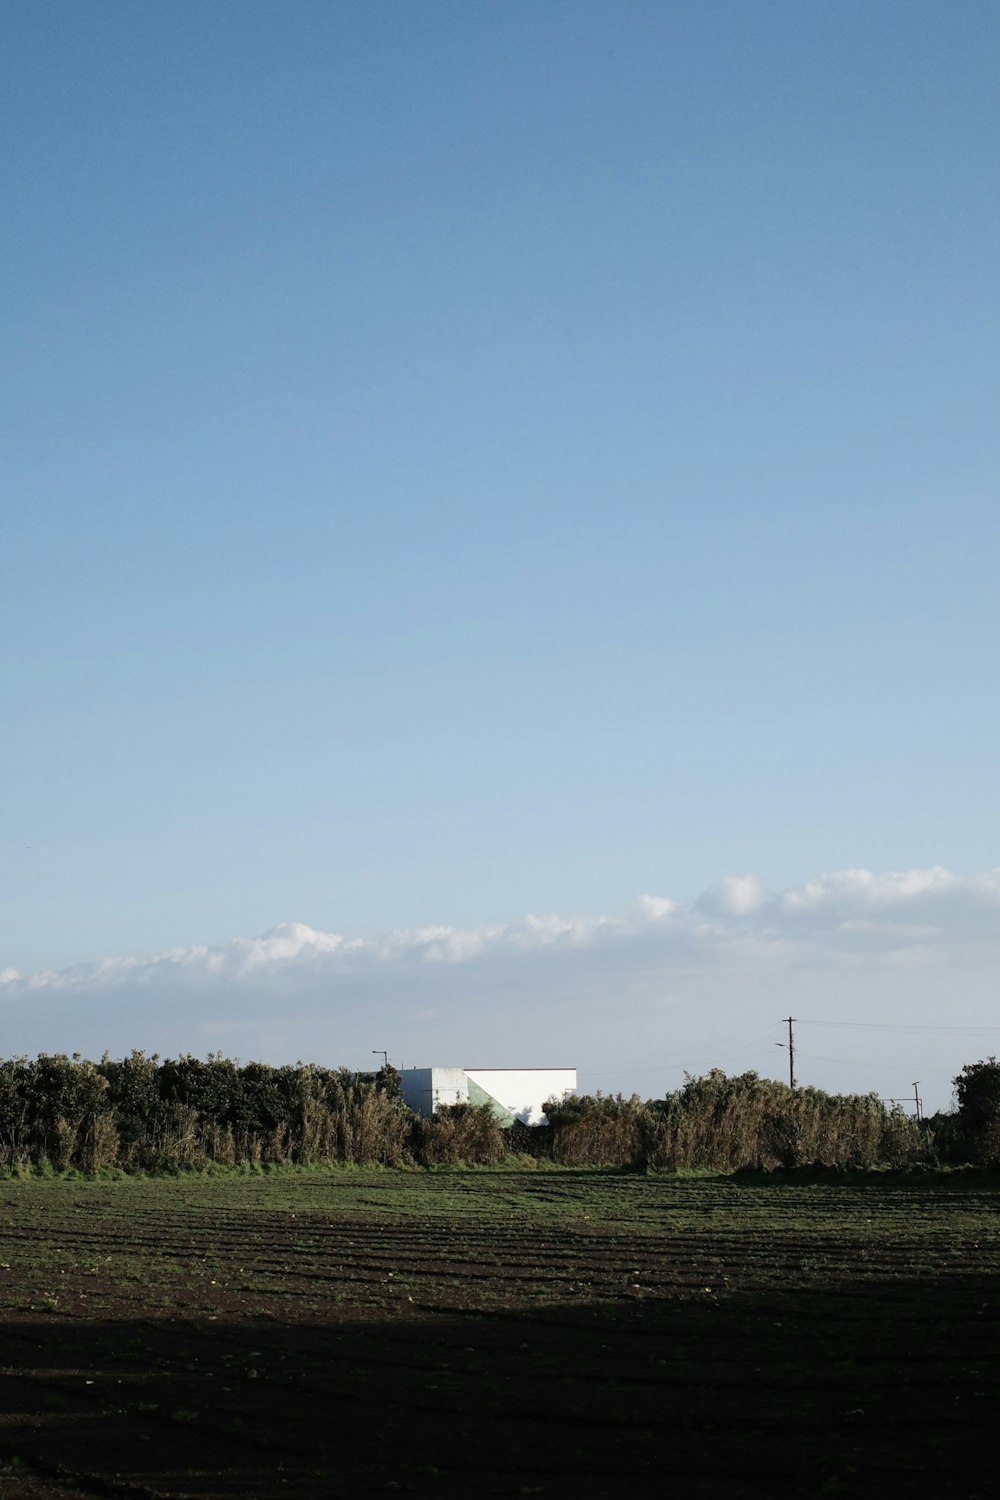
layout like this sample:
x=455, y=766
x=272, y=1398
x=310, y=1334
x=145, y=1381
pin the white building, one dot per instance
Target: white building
x=513, y=1093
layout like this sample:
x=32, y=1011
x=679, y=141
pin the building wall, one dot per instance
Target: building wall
x=523, y=1091
x=519, y=1093
x=424, y=1089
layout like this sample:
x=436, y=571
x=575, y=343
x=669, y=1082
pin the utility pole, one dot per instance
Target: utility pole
x=791, y=1052
x=378, y=1052
x=919, y=1102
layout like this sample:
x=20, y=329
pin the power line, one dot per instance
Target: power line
x=706, y=1054
x=853, y=1062
x=757, y=1034
x=904, y=1026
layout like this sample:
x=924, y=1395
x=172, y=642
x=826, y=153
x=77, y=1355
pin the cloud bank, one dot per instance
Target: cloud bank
x=658, y=982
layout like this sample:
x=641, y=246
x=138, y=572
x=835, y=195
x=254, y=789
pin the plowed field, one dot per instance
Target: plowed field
x=536, y=1333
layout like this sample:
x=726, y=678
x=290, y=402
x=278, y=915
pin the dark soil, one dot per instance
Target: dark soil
x=415, y=1337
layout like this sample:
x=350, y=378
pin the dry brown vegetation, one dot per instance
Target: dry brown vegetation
x=727, y=1124
x=141, y=1114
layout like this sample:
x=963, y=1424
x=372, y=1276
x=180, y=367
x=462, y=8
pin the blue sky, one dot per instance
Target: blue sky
x=465, y=461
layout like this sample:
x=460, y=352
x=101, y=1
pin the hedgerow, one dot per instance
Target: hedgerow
x=146, y=1114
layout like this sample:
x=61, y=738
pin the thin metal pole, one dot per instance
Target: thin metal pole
x=918, y=1100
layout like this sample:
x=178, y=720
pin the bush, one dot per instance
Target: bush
x=977, y=1092
x=141, y=1114
x=466, y=1133
x=725, y=1124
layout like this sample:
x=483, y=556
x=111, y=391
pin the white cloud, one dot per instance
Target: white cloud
x=658, y=908
x=861, y=888
x=635, y=996
x=736, y=896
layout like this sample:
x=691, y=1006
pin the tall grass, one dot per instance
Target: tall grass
x=468, y=1133
x=142, y=1113
x=726, y=1124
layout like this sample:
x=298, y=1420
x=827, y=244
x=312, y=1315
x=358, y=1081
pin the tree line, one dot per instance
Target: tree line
x=146, y=1114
